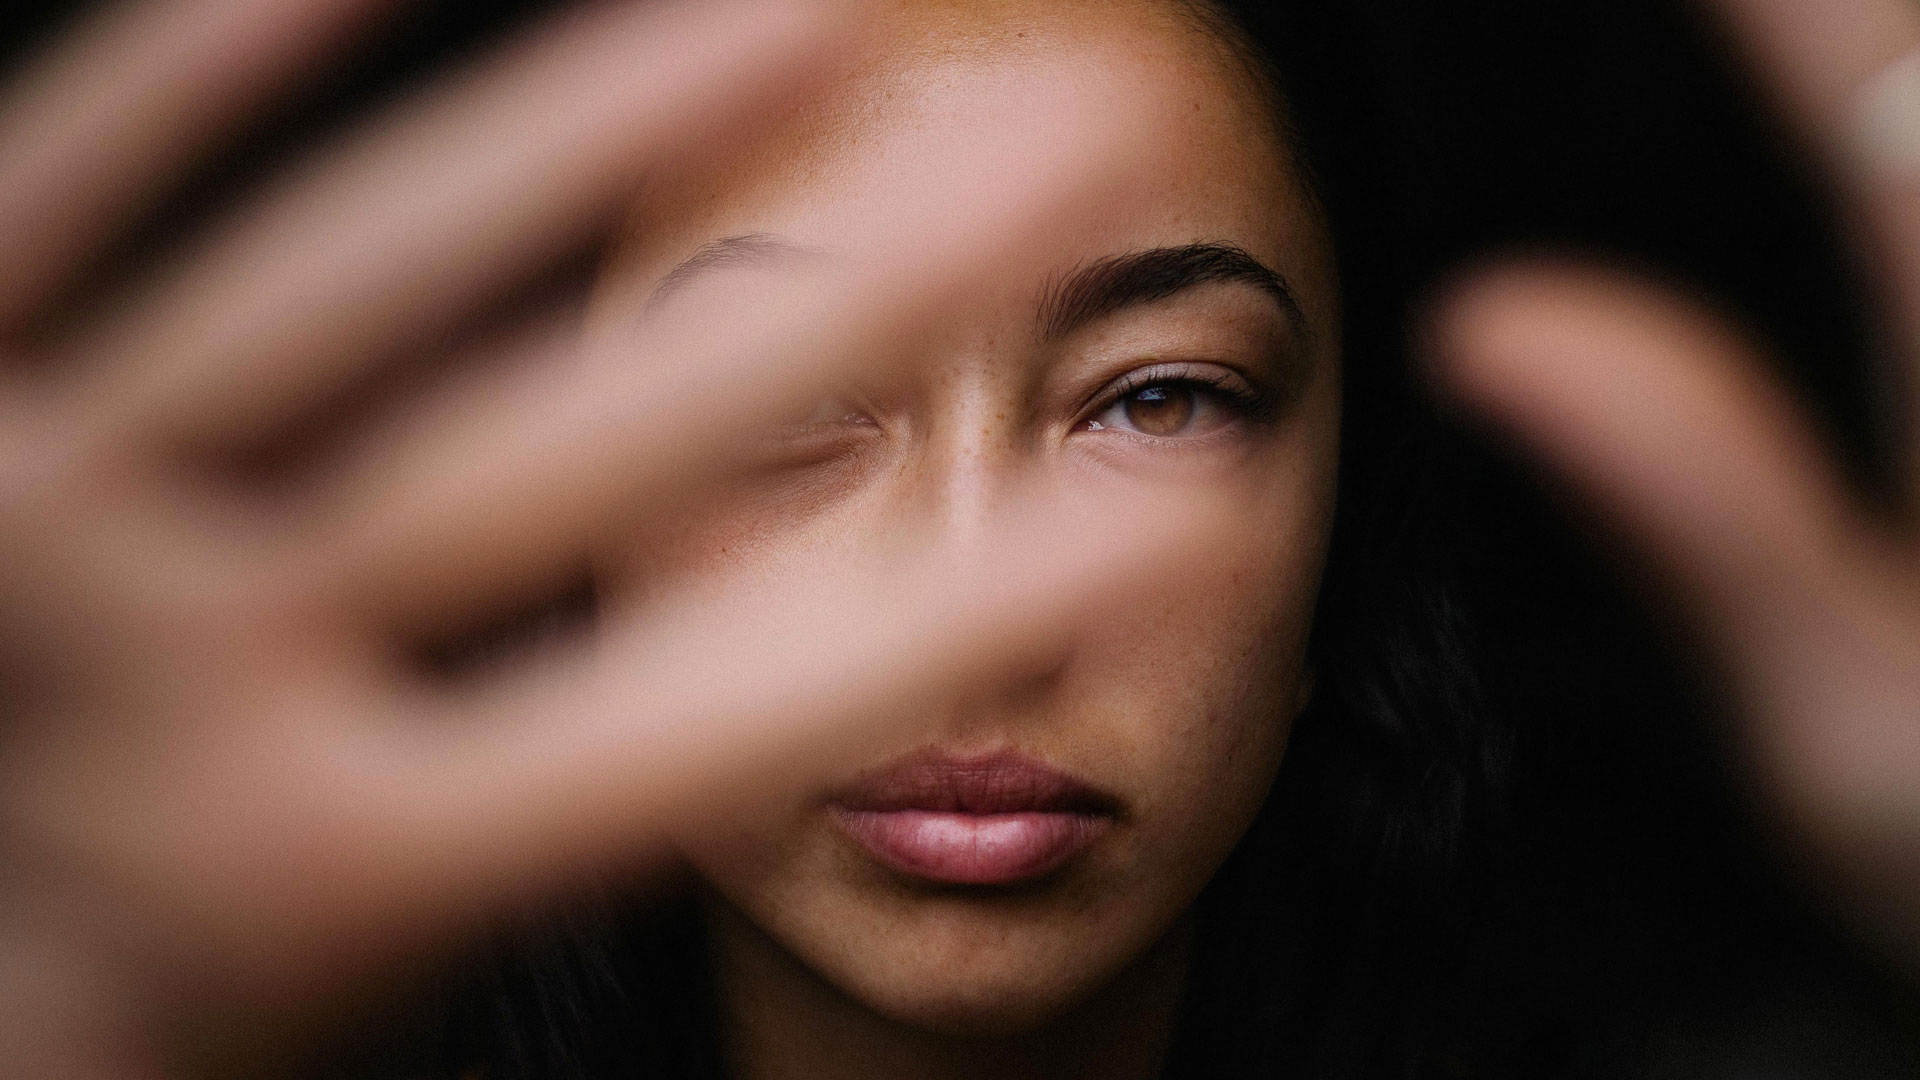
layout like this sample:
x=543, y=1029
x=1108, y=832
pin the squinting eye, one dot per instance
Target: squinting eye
x=1171, y=408
x=833, y=409
x=824, y=428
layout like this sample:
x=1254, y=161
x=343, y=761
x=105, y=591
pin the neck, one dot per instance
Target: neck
x=781, y=1021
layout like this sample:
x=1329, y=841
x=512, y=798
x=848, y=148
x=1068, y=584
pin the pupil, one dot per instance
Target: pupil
x=1160, y=410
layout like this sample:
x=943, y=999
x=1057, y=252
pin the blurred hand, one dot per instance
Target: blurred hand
x=1659, y=411
x=228, y=799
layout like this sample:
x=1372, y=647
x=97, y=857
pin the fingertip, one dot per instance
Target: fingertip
x=1520, y=337
x=1481, y=322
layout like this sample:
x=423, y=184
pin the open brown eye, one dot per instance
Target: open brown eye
x=1160, y=410
x=1169, y=401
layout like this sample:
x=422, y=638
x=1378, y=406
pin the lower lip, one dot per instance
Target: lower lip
x=972, y=849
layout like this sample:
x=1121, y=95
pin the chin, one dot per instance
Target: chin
x=987, y=1003
x=984, y=974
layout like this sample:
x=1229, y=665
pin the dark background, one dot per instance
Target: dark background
x=1644, y=924
x=1647, y=925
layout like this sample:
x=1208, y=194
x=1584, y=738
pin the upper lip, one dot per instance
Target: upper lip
x=997, y=783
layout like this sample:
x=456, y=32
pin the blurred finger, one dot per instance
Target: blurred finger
x=1819, y=54
x=765, y=689
x=96, y=130
x=1848, y=73
x=507, y=478
x=394, y=238
x=548, y=450
x=1660, y=414
x=348, y=840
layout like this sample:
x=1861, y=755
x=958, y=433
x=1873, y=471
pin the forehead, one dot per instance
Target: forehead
x=1183, y=143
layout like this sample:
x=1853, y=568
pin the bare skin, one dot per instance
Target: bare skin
x=784, y=1020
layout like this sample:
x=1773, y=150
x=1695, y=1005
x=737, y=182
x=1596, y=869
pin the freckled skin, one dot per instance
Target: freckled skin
x=1181, y=703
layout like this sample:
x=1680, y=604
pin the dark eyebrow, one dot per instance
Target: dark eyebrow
x=747, y=249
x=1107, y=285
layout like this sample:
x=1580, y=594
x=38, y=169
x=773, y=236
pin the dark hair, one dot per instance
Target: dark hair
x=1335, y=942
x=1342, y=929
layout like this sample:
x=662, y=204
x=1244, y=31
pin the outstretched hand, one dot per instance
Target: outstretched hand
x=1660, y=411
x=228, y=797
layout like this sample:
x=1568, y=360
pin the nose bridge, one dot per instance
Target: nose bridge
x=970, y=458
x=974, y=459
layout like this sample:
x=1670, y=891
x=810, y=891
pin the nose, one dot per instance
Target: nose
x=970, y=466
x=976, y=464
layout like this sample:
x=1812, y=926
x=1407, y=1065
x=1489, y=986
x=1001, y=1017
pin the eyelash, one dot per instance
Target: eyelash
x=1240, y=399
x=1244, y=401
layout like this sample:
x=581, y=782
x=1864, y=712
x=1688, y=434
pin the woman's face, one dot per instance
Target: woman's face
x=1178, y=331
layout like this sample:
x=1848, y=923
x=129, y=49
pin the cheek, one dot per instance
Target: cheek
x=1203, y=670
x=1197, y=690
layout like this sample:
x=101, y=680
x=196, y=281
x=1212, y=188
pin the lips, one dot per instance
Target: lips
x=1000, y=819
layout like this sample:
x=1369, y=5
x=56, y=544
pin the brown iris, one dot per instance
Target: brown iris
x=1160, y=410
